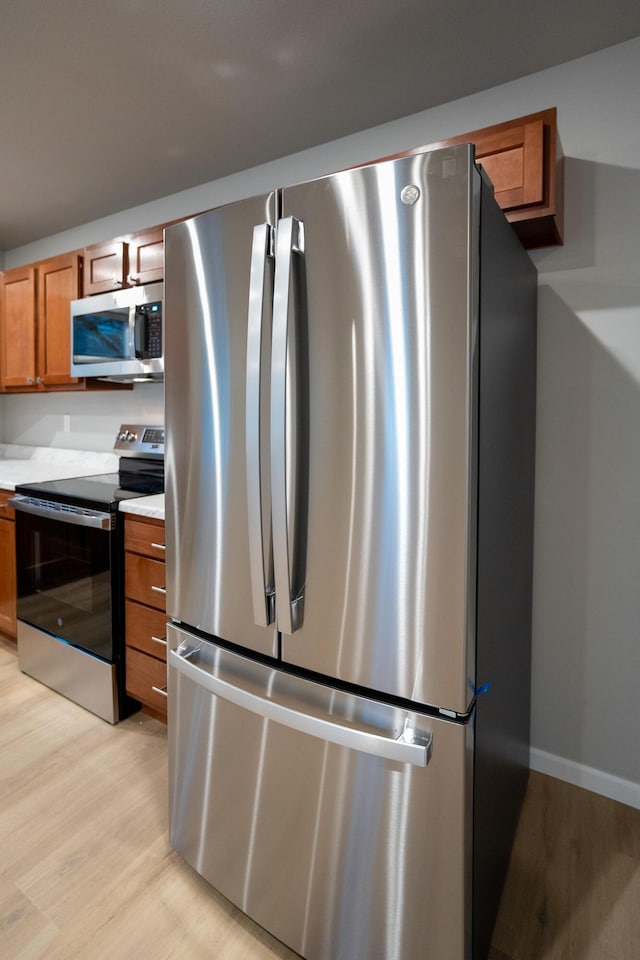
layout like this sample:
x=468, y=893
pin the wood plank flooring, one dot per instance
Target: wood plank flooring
x=86, y=871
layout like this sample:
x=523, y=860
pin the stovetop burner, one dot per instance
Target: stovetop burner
x=101, y=491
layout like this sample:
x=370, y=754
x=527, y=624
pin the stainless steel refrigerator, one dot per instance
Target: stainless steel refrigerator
x=350, y=396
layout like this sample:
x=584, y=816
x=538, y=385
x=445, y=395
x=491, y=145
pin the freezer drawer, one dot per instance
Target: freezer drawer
x=340, y=824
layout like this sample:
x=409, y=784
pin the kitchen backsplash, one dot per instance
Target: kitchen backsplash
x=78, y=421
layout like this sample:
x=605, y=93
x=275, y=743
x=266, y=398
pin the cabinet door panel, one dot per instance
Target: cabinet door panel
x=513, y=161
x=58, y=285
x=18, y=328
x=105, y=267
x=146, y=257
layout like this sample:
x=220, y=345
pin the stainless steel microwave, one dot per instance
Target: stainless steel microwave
x=119, y=336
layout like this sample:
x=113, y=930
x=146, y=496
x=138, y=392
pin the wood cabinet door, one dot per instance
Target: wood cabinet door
x=105, y=267
x=146, y=257
x=512, y=155
x=18, y=328
x=8, y=622
x=523, y=159
x=58, y=285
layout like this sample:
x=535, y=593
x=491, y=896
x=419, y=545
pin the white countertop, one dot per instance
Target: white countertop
x=152, y=506
x=23, y=464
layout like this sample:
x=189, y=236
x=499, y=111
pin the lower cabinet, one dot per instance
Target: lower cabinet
x=7, y=567
x=145, y=618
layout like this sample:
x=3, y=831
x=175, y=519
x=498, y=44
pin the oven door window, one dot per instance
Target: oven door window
x=65, y=581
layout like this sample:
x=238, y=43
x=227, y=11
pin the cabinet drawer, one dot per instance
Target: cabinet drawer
x=144, y=536
x=143, y=625
x=144, y=580
x=143, y=673
x=6, y=512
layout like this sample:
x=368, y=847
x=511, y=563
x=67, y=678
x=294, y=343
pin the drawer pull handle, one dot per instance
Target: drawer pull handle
x=159, y=589
x=161, y=690
x=159, y=546
x=159, y=640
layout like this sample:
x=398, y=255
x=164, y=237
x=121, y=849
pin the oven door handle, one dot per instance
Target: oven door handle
x=64, y=512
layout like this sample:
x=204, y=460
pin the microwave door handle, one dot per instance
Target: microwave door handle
x=262, y=591
x=289, y=608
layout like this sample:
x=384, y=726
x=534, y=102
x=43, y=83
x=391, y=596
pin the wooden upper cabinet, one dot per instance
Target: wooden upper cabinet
x=58, y=283
x=523, y=159
x=513, y=160
x=105, y=267
x=18, y=328
x=35, y=324
x=136, y=259
x=146, y=257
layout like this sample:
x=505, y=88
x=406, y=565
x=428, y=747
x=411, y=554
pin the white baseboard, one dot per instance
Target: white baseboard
x=625, y=791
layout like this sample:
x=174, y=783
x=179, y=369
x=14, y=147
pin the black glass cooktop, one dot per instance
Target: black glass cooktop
x=94, y=493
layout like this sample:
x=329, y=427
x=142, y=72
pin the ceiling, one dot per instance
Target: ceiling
x=106, y=105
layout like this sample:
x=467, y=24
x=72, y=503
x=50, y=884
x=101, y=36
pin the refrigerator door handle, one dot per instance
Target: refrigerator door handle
x=407, y=748
x=262, y=591
x=289, y=241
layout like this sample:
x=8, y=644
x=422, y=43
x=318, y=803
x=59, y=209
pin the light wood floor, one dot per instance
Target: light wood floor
x=86, y=871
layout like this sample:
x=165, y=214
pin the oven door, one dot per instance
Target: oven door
x=65, y=571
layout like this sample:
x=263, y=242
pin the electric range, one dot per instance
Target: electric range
x=70, y=571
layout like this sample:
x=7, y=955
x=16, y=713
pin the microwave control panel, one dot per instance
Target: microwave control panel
x=148, y=330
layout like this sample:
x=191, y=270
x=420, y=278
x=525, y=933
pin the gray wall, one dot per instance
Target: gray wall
x=586, y=670
x=78, y=421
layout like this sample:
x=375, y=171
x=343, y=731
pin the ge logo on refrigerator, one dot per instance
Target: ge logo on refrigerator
x=410, y=194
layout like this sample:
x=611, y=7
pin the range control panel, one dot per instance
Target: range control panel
x=140, y=440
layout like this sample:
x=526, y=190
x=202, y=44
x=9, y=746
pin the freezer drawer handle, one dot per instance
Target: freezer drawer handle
x=407, y=748
x=261, y=572
x=289, y=607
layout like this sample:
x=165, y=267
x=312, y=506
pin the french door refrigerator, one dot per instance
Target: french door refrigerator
x=350, y=392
